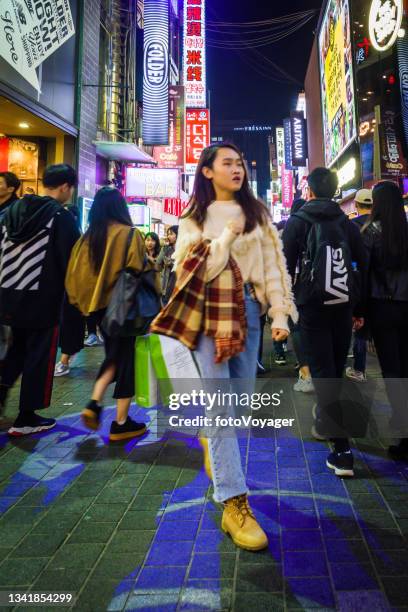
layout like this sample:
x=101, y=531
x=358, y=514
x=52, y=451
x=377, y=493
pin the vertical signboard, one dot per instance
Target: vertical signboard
x=393, y=163
x=194, y=55
x=156, y=73
x=288, y=143
x=298, y=139
x=337, y=80
x=280, y=148
x=197, y=136
x=172, y=156
x=287, y=187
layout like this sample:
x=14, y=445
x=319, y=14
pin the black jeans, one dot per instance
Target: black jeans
x=326, y=335
x=32, y=355
x=389, y=328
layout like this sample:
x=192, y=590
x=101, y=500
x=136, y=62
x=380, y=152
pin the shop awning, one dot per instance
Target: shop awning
x=122, y=151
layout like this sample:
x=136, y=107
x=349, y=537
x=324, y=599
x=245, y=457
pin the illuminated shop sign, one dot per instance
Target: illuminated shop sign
x=280, y=148
x=347, y=173
x=384, y=23
x=156, y=73
x=298, y=139
x=197, y=137
x=392, y=159
x=288, y=143
x=336, y=80
x=172, y=156
x=152, y=183
x=194, y=56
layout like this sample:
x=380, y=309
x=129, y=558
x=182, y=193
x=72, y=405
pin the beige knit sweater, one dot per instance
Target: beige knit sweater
x=259, y=255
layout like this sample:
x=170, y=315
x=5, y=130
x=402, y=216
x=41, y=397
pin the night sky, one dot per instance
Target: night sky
x=237, y=91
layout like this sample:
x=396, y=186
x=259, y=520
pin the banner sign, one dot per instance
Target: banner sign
x=280, y=148
x=156, y=73
x=402, y=51
x=298, y=137
x=31, y=31
x=287, y=126
x=152, y=183
x=173, y=155
x=197, y=137
x=336, y=80
x=393, y=164
x=175, y=206
x=194, y=54
x=287, y=187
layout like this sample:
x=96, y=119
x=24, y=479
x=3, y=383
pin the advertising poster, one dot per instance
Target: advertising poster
x=173, y=155
x=197, y=137
x=336, y=81
x=31, y=31
x=23, y=159
x=194, y=54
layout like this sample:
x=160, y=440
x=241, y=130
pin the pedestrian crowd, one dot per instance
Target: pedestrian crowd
x=328, y=281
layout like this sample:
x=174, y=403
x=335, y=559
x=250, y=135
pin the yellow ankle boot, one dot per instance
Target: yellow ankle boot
x=239, y=521
x=206, y=452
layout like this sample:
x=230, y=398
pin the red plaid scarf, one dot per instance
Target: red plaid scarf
x=216, y=309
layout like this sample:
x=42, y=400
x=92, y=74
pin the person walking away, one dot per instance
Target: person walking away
x=304, y=383
x=228, y=245
x=165, y=263
x=37, y=238
x=327, y=245
x=96, y=262
x=386, y=239
x=72, y=329
x=9, y=185
x=364, y=204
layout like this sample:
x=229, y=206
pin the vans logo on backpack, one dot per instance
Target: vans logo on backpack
x=336, y=277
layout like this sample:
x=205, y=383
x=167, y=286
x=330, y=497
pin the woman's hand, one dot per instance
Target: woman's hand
x=279, y=335
x=236, y=226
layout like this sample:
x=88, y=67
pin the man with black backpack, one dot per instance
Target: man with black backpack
x=326, y=259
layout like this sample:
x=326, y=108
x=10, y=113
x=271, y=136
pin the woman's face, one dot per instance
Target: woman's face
x=171, y=237
x=150, y=244
x=228, y=172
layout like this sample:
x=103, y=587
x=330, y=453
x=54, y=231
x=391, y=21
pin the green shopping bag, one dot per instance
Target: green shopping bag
x=146, y=387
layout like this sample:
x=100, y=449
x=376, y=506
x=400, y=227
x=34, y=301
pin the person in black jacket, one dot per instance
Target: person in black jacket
x=37, y=237
x=386, y=239
x=9, y=185
x=325, y=328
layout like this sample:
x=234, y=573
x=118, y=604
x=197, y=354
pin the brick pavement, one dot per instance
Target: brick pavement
x=133, y=527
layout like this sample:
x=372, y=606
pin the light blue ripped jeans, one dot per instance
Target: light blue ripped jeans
x=228, y=477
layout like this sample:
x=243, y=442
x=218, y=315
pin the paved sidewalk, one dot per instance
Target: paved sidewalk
x=133, y=527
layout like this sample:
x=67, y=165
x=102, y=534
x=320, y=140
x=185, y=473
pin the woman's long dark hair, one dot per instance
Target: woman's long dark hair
x=255, y=211
x=388, y=210
x=109, y=206
x=156, y=239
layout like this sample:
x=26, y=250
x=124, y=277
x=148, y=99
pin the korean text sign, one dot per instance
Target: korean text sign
x=194, y=55
x=336, y=80
x=197, y=136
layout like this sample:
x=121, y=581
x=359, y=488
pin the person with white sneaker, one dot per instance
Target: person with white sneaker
x=38, y=235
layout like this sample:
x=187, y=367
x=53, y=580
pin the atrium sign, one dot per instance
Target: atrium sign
x=298, y=139
x=385, y=23
x=31, y=31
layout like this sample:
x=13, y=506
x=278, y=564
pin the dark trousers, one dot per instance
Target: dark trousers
x=297, y=344
x=32, y=355
x=360, y=353
x=326, y=336
x=262, y=321
x=72, y=331
x=389, y=327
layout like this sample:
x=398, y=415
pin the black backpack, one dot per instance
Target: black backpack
x=326, y=271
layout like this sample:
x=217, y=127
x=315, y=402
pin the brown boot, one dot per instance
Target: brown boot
x=207, y=463
x=239, y=521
